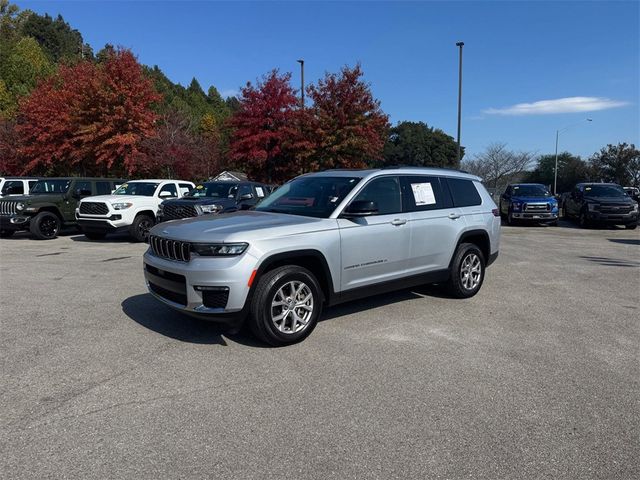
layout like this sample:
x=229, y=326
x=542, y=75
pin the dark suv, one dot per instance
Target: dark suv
x=601, y=204
x=213, y=197
x=51, y=204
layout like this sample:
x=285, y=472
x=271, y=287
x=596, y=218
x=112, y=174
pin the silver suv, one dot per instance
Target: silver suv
x=322, y=239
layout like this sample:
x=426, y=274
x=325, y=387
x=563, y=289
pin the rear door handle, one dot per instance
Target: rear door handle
x=398, y=221
x=453, y=216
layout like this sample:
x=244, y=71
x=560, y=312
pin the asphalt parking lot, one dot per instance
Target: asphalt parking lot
x=538, y=376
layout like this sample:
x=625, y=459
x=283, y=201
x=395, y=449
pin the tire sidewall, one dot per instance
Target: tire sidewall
x=457, y=289
x=267, y=287
x=37, y=221
x=135, y=227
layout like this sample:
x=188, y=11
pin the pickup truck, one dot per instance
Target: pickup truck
x=601, y=204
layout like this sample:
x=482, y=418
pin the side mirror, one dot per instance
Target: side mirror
x=246, y=196
x=361, y=208
x=165, y=194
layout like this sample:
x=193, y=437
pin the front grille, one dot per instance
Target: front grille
x=94, y=208
x=168, y=294
x=537, y=207
x=8, y=208
x=171, y=286
x=215, y=298
x=616, y=209
x=170, y=249
x=175, y=212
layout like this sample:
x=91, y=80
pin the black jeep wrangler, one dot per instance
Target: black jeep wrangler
x=214, y=197
x=50, y=205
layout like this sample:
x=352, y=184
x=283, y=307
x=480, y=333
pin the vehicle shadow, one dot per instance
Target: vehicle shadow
x=624, y=241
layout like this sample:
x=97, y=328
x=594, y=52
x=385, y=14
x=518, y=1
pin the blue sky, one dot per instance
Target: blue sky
x=541, y=54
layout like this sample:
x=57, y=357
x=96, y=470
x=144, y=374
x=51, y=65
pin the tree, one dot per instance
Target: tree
x=266, y=133
x=57, y=38
x=571, y=170
x=417, y=144
x=346, y=123
x=618, y=163
x=10, y=163
x=91, y=117
x=498, y=166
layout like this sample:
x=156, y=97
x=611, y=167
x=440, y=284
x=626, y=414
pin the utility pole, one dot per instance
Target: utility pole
x=301, y=62
x=459, y=45
x=555, y=170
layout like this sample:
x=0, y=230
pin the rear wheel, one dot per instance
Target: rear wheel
x=6, y=233
x=285, y=306
x=467, y=271
x=44, y=226
x=140, y=227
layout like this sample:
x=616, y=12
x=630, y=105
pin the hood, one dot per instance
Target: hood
x=198, y=201
x=525, y=199
x=116, y=198
x=38, y=198
x=626, y=200
x=240, y=227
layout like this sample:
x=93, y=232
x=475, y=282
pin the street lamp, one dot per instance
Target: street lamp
x=301, y=62
x=555, y=171
x=459, y=45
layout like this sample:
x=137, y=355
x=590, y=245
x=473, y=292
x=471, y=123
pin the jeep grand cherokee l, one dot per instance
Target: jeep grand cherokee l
x=322, y=239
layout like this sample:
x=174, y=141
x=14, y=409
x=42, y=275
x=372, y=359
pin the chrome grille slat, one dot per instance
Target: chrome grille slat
x=170, y=249
x=8, y=208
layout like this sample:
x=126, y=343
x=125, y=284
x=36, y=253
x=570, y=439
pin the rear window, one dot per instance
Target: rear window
x=463, y=192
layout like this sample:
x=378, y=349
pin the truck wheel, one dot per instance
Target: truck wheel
x=510, y=220
x=467, y=271
x=140, y=227
x=6, y=233
x=285, y=306
x=582, y=220
x=95, y=235
x=631, y=226
x=44, y=226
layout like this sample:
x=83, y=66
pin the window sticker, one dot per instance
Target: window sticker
x=260, y=192
x=587, y=188
x=200, y=187
x=423, y=194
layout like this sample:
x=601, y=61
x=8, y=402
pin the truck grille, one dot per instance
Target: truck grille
x=537, y=207
x=174, y=212
x=8, y=208
x=94, y=208
x=170, y=249
x=615, y=209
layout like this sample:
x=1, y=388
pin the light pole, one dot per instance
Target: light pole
x=460, y=45
x=555, y=170
x=301, y=62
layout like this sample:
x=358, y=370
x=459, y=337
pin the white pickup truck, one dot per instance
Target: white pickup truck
x=132, y=207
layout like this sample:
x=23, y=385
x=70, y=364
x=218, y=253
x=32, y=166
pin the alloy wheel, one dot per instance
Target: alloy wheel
x=292, y=307
x=49, y=227
x=470, y=271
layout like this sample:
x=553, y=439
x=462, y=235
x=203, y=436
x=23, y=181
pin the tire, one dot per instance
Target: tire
x=466, y=273
x=582, y=220
x=95, y=235
x=631, y=226
x=44, y=226
x=510, y=221
x=140, y=227
x=6, y=233
x=271, y=300
x=553, y=224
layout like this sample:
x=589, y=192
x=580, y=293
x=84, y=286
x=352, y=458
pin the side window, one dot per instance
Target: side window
x=103, y=188
x=463, y=192
x=13, y=187
x=184, y=188
x=385, y=191
x=424, y=193
x=32, y=183
x=171, y=188
x=84, y=187
x=243, y=190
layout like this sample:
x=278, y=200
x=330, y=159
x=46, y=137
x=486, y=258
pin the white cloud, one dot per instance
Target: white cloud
x=559, y=105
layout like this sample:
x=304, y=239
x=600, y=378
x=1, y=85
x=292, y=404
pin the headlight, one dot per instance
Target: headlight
x=210, y=208
x=593, y=207
x=20, y=206
x=161, y=208
x=121, y=205
x=516, y=205
x=635, y=208
x=219, y=250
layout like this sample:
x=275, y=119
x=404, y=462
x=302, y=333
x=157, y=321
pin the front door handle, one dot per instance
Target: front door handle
x=398, y=221
x=453, y=216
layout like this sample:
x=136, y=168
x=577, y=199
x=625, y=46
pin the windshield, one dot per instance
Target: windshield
x=144, y=189
x=50, y=186
x=309, y=196
x=212, y=190
x=604, y=191
x=530, y=191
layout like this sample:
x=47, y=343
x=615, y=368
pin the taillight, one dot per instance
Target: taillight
x=496, y=212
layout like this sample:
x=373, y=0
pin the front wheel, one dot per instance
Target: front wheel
x=6, y=233
x=45, y=226
x=467, y=271
x=140, y=227
x=582, y=220
x=510, y=220
x=285, y=306
x=631, y=226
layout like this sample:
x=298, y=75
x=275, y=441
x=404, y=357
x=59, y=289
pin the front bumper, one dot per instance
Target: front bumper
x=536, y=217
x=183, y=285
x=613, y=219
x=14, y=222
x=99, y=226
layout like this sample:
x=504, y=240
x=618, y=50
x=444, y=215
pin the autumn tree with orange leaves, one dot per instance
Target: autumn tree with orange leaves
x=89, y=118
